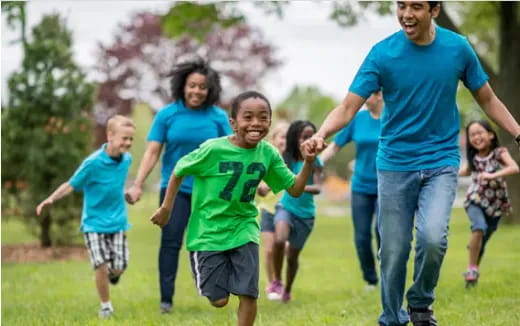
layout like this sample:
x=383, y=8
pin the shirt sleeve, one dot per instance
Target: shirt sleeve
x=367, y=79
x=318, y=163
x=195, y=163
x=278, y=176
x=159, y=128
x=474, y=76
x=344, y=136
x=80, y=177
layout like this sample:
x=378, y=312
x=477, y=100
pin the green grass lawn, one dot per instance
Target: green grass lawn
x=328, y=290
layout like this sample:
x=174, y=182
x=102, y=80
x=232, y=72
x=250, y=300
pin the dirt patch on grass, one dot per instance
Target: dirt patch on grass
x=33, y=253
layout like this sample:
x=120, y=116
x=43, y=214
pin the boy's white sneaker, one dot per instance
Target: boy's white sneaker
x=105, y=313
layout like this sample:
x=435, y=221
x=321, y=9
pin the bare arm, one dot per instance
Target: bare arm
x=509, y=166
x=162, y=215
x=309, y=153
x=150, y=158
x=329, y=152
x=496, y=110
x=337, y=119
x=59, y=193
x=317, y=180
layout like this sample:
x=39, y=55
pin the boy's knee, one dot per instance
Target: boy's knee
x=279, y=240
x=220, y=302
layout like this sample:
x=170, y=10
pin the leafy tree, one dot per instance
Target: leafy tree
x=15, y=14
x=43, y=132
x=135, y=67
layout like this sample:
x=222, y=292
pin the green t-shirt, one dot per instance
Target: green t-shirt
x=223, y=212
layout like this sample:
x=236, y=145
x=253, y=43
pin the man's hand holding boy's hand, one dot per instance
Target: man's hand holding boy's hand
x=309, y=151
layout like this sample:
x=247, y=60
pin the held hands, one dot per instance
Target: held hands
x=133, y=194
x=315, y=144
x=312, y=147
x=42, y=205
x=309, y=152
x=160, y=217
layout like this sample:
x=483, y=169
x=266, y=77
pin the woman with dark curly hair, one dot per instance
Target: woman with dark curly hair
x=179, y=128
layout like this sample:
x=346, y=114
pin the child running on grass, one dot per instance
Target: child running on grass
x=486, y=199
x=294, y=217
x=223, y=232
x=266, y=206
x=102, y=177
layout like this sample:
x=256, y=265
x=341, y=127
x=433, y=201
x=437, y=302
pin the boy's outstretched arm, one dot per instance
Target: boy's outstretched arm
x=309, y=153
x=61, y=192
x=162, y=215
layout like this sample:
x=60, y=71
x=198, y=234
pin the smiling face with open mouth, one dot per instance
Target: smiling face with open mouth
x=252, y=122
x=415, y=18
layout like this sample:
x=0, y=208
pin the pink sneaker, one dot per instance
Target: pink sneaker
x=274, y=290
x=286, y=296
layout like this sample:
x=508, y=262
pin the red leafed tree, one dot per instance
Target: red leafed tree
x=135, y=67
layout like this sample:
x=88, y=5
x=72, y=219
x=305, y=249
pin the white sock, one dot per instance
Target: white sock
x=107, y=304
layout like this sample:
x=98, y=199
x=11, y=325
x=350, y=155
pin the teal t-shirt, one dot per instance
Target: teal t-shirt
x=102, y=181
x=420, y=123
x=364, y=131
x=303, y=206
x=181, y=130
x=223, y=211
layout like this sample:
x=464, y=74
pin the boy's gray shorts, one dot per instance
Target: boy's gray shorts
x=301, y=228
x=219, y=273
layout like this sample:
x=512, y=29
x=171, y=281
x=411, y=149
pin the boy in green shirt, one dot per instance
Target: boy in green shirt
x=223, y=233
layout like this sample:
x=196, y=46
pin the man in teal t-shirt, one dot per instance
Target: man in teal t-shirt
x=419, y=69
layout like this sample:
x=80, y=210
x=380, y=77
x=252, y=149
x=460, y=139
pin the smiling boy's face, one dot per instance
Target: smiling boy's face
x=120, y=139
x=252, y=122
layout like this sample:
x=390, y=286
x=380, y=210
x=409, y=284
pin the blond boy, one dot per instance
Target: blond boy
x=101, y=177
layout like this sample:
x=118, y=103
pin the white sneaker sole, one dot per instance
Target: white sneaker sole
x=273, y=296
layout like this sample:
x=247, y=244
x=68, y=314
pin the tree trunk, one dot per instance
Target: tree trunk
x=45, y=231
x=509, y=84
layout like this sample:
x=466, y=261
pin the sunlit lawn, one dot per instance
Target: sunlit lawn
x=328, y=289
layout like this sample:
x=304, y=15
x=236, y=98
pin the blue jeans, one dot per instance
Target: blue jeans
x=363, y=208
x=479, y=221
x=171, y=243
x=428, y=195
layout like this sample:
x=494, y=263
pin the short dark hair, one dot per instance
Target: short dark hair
x=433, y=4
x=472, y=151
x=182, y=70
x=235, y=105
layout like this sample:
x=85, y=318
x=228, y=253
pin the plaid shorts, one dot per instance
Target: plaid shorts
x=111, y=248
